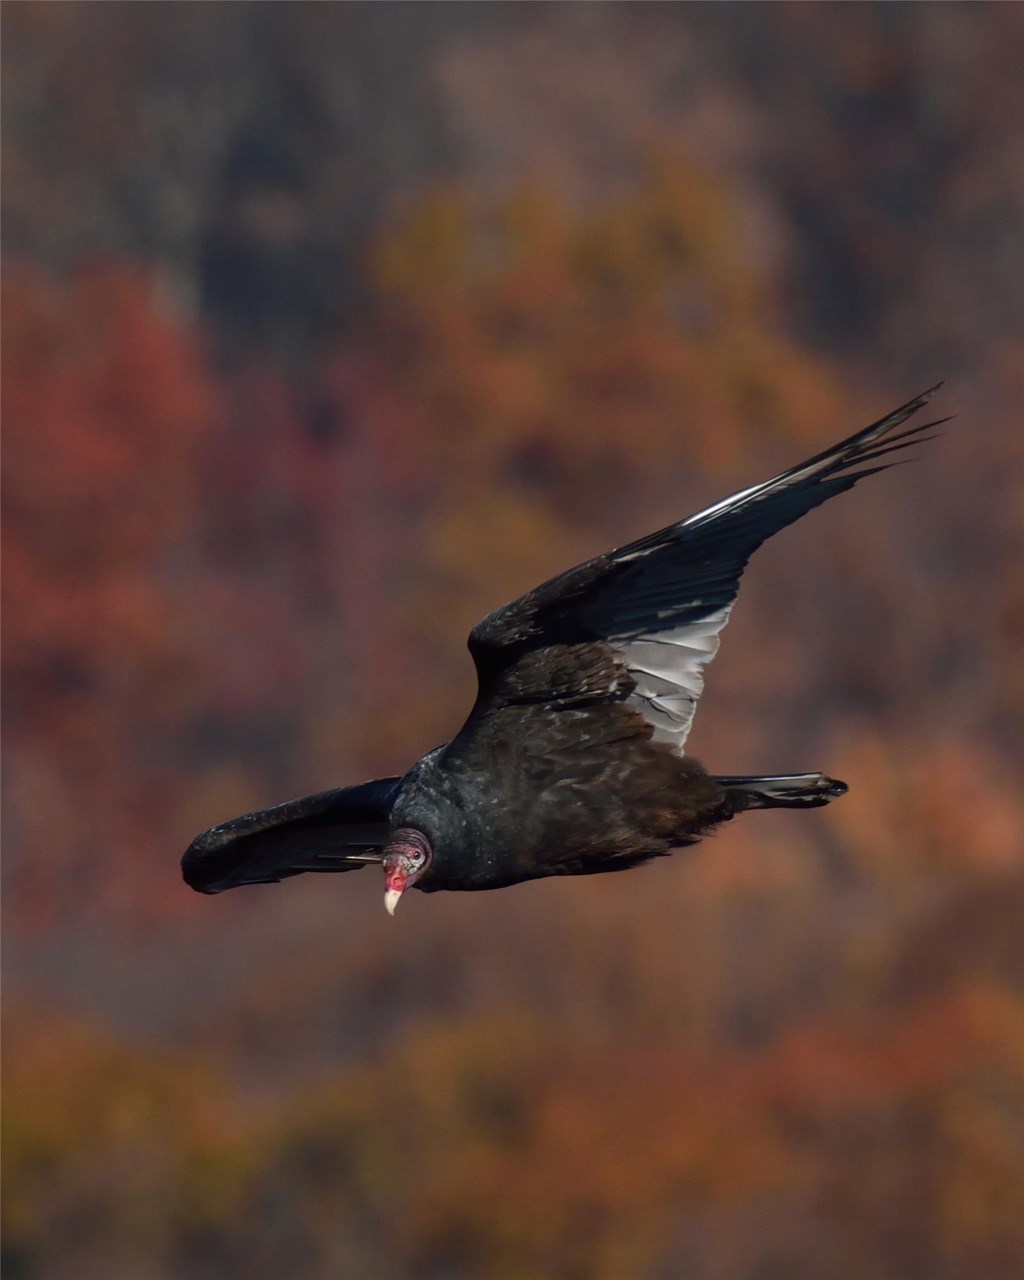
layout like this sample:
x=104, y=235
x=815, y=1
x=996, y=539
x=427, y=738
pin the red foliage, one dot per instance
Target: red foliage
x=106, y=400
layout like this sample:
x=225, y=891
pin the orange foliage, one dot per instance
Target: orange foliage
x=515, y=1150
x=585, y=370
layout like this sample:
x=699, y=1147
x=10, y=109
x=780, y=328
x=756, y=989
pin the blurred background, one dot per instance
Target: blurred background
x=330, y=327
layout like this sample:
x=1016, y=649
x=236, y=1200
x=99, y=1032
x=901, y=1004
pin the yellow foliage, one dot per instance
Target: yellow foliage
x=84, y=1115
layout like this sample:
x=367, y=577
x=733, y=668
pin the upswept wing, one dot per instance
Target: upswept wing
x=639, y=624
x=331, y=831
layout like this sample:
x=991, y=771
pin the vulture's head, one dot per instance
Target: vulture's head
x=407, y=858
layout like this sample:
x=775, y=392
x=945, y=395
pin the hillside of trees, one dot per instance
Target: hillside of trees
x=329, y=328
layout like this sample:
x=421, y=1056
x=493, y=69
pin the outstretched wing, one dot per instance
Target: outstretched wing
x=639, y=624
x=332, y=831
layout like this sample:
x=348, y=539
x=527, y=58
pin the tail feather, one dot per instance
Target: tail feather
x=780, y=791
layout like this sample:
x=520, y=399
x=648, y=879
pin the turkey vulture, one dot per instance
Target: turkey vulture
x=571, y=761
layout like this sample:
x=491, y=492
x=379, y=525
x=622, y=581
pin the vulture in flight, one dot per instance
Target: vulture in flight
x=572, y=760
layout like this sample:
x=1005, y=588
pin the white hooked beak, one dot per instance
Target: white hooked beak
x=391, y=897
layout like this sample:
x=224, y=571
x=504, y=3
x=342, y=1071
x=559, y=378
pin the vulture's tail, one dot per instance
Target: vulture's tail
x=786, y=791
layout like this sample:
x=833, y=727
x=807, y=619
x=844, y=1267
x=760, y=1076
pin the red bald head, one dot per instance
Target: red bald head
x=406, y=858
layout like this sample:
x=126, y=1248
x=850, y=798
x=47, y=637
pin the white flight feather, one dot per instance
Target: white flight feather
x=667, y=668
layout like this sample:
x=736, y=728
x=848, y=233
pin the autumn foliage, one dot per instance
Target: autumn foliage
x=238, y=570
